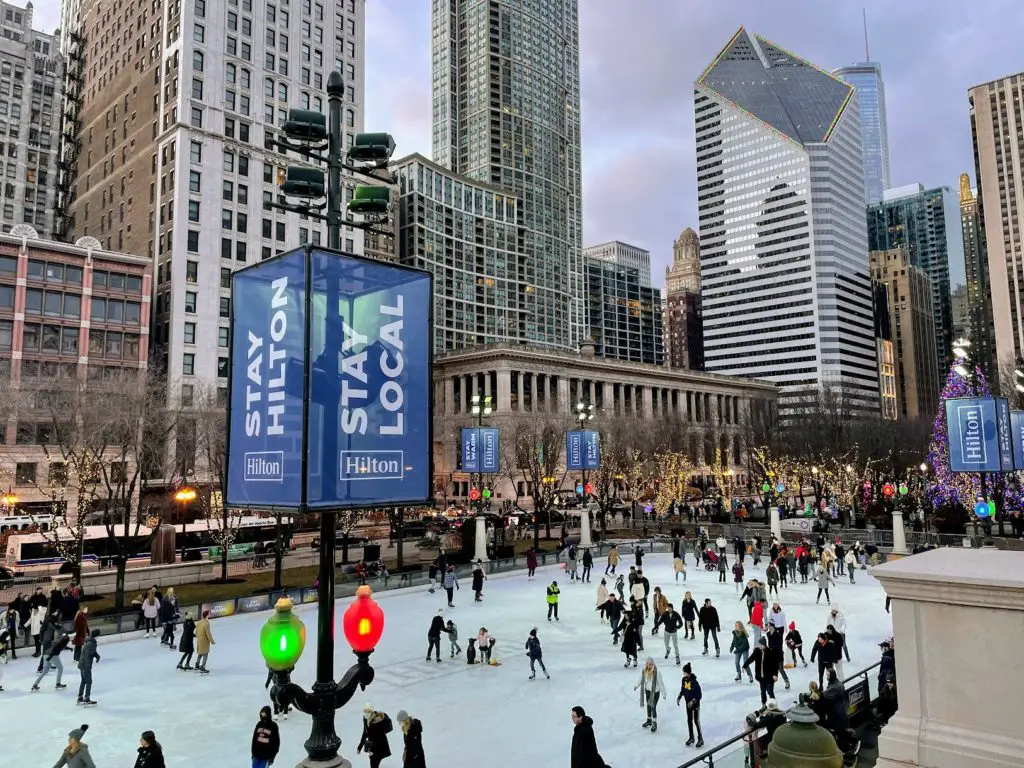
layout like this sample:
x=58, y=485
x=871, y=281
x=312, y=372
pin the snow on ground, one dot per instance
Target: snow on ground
x=472, y=716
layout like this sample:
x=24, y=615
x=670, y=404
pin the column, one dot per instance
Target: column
x=487, y=383
x=449, y=396
x=608, y=395
x=563, y=394
x=519, y=388
x=648, y=396
x=504, y=398
x=533, y=392
x=585, y=542
x=481, y=539
x=899, y=534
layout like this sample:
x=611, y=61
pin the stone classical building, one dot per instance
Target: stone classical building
x=711, y=411
x=682, y=326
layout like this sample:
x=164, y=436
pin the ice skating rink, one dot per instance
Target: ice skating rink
x=472, y=716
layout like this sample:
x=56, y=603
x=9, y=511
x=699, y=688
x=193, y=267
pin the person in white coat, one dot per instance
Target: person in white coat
x=838, y=620
x=602, y=597
x=851, y=562
x=777, y=618
x=652, y=690
x=636, y=592
x=35, y=626
x=721, y=543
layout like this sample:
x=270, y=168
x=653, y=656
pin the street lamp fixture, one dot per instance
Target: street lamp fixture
x=184, y=496
x=584, y=412
x=481, y=405
x=961, y=370
x=923, y=468
x=9, y=499
x=814, y=470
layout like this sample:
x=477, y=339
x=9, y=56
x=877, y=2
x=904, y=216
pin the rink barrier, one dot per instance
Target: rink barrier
x=740, y=750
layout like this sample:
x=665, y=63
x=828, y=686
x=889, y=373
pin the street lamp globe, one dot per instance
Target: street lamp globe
x=363, y=622
x=923, y=467
x=282, y=638
x=185, y=495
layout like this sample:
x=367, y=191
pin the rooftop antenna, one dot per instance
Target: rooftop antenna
x=867, y=53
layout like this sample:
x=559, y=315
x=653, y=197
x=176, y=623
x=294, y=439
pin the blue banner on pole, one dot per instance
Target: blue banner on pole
x=489, y=450
x=1004, y=434
x=591, y=449
x=268, y=356
x=1017, y=438
x=973, y=434
x=573, y=450
x=470, y=449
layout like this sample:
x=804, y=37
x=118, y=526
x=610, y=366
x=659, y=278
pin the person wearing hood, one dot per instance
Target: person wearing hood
x=478, y=581
x=602, y=597
x=737, y=574
x=583, y=753
x=837, y=704
x=376, y=727
x=266, y=740
x=187, y=645
x=412, y=732
x=690, y=690
x=86, y=658
x=151, y=754
x=437, y=626
x=652, y=690
x=838, y=620
x=771, y=575
x=630, y=629
x=533, y=650
x=671, y=621
x=766, y=669
x=76, y=753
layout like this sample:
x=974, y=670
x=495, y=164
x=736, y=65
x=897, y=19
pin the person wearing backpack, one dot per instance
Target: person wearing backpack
x=376, y=727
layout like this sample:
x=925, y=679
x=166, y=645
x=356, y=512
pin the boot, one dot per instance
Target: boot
x=700, y=742
x=677, y=661
x=634, y=662
x=654, y=726
x=532, y=676
x=647, y=723
x=546, y=675
x=705, y=652
x=666, y=655
x=689, y=742
x=737, y=678
x=60, y=686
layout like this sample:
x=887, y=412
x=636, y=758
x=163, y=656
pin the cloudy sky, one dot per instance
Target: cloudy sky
x=640, y=57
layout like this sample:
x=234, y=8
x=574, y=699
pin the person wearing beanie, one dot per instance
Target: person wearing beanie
x=151, y=754
x=652, y=689
x=87, y=656
x=266, y=740
x=412, y=731
x=434, y=635
x=766, y=669
x=376, y=727
x=533, y=650
x=76, y=753
x=795, y=643
x=690, y=690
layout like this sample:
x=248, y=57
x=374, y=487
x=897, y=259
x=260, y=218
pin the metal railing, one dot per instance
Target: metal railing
x=741, y=751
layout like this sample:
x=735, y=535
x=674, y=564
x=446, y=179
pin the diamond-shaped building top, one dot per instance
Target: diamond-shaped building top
x=790, y=94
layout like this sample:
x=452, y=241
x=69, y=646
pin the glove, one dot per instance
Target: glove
x=678, y=699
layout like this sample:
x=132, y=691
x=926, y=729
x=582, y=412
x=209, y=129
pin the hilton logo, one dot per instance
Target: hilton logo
x=972, y=435
x=264, y=467
x=372, y=465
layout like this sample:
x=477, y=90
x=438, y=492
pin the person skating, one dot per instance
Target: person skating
x=679, y=565
x=803, y=561
x=453, y=639
x=671, y=621
x=723, y=568
x=646, y=584
x=851, y=564
x=791, y=564
x=652, y=690
x=570, y=564
x=76, y=753
x=46, y=636
x=583, y=753
x=484, y=644
x=620, y=587
x=783, y=570
x=531, y=564
x=690, y=691
x=630, y=630
x=613, y=561
x=478, y=581
x=766, y=669
x=757, y=622
x=740, y=650
x=721, y=542
x=840, y=551
x=838, y=642
x=708, y=623
x=824, y=652
x=151, y=612
x=204, y=639
x=169, y=616
x=771, y=575
x=412, y=733
x=823, y=581
x=638, y=556
x=588, y=563
x=612, y=608
x=602, y=597
x=432, y=576
x=151, y=754
x=81, y=629
x=376, y=727
x=795, y=643
x=688, y=610
x=88, y=655
x=51, y=657
x=187, y=645
x=552, y=598
x=838, y=620
x=775, y=636
x=536, y=655
x=660, y=604
x=450, y=582
x=266, y=740
x=437, y=626
x=737, y=574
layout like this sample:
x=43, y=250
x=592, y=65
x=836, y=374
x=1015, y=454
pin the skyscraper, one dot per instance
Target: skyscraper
x=980, y=330
x=506, y=80
x=625, y=255
x=925, y=223
x=683, y=328
x=623, y=315
x=997, y=121
x=783, y=244
x=866, y=78
x=177, y=163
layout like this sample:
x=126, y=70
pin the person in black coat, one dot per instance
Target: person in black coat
x=187, y=645
x=824, y=651
x=376, y=727
x=478, y=581
x=613, y=610
x=838, y=704
x=690, y=690
x=766, y=669
x=412, y=730
x=584, y=752
x=266, y=740
x=588, y=563
x=688, y=610
x=151, y=754
x=707, y=621
x=630, y=634
x=437, y=626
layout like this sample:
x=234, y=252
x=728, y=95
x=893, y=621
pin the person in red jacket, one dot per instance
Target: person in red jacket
x=531, y=564
x=757, y=621
x=81, y=630
x=266, y=741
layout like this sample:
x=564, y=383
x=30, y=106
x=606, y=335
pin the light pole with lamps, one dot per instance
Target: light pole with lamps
x=9, y=499
x=481, y=406
x=584, y=414
x=184, y=496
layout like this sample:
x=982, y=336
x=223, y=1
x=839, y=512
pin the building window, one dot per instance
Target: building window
x=197, y=117
x=190, y=302
x=196, y=152
x=188, y=364
x=225, y=219
x=197, y=88
x=198, y=60
x=190, y=333
x=225, y=277
x=228, y=192
x=198, y=33
x=225, y=306
x=195, y=181
x=193, y=210
x=222, y=367
x=6, y=335
x=192, y=270
x=242, y=222
x=193, y=241
x=25, y=473
x=223, y=336
x=280, y=231
x=187, y=395
x=229, y=162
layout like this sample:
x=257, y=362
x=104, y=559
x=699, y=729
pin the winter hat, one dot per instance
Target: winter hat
x=772, y=706
x=687, y=669
x=367, y=708
x=792, y=626
x=762, y=641
x=79, y=732
x=402, y=716
x=440, y=612
x=265, y=713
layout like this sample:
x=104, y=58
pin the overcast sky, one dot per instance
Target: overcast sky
x=639, y=59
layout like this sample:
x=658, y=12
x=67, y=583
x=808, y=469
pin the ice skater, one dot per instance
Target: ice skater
x=204, y=639
x=533, y=650
x=51, y=658
x=588, y=563
x=376, y=727
x=795, y=643
x=707, y=621
x=613, y=561
x=672, y=622
x=453, y=639
x=823, y=581
x=612, y=608
x=478, y=581
x=652, y=690
x=690, y=691
x=437, y=626
x=86, y=658
x=187, y=645
x=688, y=610
x=602, y=597
x=451, y=583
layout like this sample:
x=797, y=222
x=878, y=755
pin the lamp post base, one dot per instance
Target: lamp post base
x=334, y=762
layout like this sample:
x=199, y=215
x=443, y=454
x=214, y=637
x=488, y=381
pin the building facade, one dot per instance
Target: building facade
x=866, y=78
x=784, y=279
x=682, y=324
x=180, y=106
x=926, y=223
x=708, y=413
x=997, y=122
x=961, y=313
x=506, y=80
x=912, y=324
x=468, y=234
x=980, y=327
x=684, y=274
x=31, y=74
x=624, y=315
x=886, y=355
x=624, y=255
x=70, y=315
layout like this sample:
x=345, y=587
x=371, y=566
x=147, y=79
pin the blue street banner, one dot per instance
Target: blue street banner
x=973, y=434
x=470, y=449
x=1017, y=438
x=490, y=455
x=268, y=356
x=1004, y=433
x=591, y=449
x=574, y=450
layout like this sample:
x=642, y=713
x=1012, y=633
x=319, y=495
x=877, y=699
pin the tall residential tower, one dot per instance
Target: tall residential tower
x=506, y=78
x=785, y=289
x=980, y=330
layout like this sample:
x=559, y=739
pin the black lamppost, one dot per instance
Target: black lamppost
x=481, y=405
x=584, y=413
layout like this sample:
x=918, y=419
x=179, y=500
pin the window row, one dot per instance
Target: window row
x=189, y=334
x=49, y=339
x=113, y=345
x=116, y=311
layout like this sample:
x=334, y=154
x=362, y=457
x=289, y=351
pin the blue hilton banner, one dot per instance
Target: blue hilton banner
x=582, y=449
x=480, y=452
x=361, y=337
x=591, y=450
x=1004, y=433
x=974, y=434
x=573, y=450
x=1017, y=438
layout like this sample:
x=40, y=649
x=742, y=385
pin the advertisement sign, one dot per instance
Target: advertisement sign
x=573, y=450
x=591, y=449
x=309, y=596
x=218, y=609
x=268, y=318
x=973, y=435
x=1017, y=438
x=253, y=603
x=471, y=449
x=489, y=451
x=370, y=391
x=1004, y=433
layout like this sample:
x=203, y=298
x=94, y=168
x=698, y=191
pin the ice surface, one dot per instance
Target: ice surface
x=472, y=716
